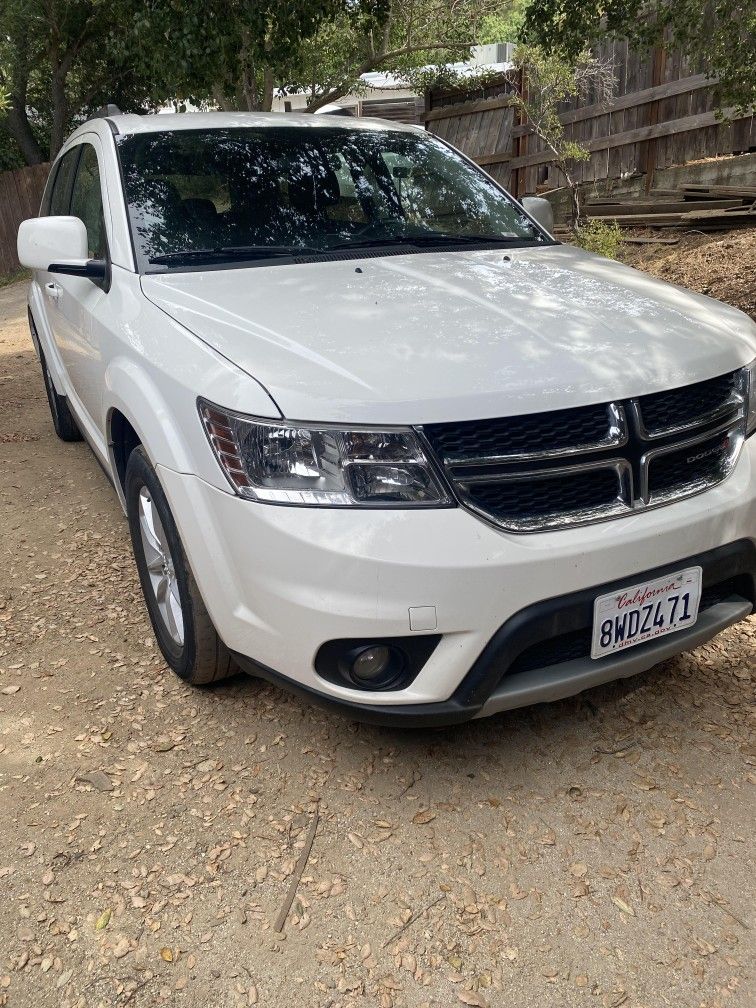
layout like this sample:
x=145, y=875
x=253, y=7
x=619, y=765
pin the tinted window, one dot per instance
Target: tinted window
x=61, y=191
x=86, y=201
x=313, y=187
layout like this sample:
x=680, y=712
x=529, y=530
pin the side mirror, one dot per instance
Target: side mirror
x=540, y=210
x=58, y=245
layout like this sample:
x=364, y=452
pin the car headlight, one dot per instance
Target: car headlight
x=291, y=463
x=751, y=398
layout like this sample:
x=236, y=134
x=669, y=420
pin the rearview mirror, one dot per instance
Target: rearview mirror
x=58, y=245
x=540, y=210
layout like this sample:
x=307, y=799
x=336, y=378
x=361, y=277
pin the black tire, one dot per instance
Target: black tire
x=201, y=657
x=65, y=426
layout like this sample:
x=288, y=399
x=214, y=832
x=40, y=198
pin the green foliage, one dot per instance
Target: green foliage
x=10, y=155
x=546, y=80
x=400, y=38
x=599, y=237
x=445, y=78
x=719, y=37
x=57, y=64
x=552, y=80
x=225, y=50
x=61, y=59
x=505, y=25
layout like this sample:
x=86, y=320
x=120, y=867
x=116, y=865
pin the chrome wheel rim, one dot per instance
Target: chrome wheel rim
x=160, y=568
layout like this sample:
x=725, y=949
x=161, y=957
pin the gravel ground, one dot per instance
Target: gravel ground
x=594, y=852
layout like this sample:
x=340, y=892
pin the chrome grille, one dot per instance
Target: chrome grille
x=666, y=412
x=582, y=429
x=573, y=467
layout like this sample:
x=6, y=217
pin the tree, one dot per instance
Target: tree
x=362, y=39
x=60, y=59
x=541, y=84
x=719, y=36
x=505, y=25
x=56, y=64
x=224, y=52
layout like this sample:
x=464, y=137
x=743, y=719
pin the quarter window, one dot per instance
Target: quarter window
x=60, y=197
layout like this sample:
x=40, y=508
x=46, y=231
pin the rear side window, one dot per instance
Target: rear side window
x=86, y=201
x=60, y=196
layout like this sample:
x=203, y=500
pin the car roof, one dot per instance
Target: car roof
x=166, y=122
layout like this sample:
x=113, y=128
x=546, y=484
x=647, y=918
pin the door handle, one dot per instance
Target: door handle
x=53, y=291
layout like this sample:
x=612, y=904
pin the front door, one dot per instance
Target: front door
x=73, y=301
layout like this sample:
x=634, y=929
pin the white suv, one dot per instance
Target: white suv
x=378, y=436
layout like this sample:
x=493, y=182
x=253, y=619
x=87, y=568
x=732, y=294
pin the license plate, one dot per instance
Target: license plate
x=645, y=611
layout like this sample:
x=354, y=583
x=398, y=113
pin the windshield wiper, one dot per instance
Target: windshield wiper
x=440, y=238
x=233, y=252
x=373, y=243
x=420, y=241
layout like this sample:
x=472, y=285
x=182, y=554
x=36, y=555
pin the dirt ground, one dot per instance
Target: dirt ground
x=722, y=266
x=594, y=852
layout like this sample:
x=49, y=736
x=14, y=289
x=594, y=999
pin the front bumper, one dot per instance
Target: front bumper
x=279, y=582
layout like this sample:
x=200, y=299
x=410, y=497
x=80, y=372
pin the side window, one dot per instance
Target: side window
x=86, y=201
x=60, y=194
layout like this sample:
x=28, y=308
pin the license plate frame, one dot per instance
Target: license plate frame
x=647, y=610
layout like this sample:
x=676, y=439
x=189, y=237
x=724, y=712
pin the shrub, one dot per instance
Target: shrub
x=601, y=238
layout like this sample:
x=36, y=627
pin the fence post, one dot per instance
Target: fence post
x=648, y=157
x=521, y=143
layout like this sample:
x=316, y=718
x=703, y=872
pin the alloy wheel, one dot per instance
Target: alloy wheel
x=160, y=567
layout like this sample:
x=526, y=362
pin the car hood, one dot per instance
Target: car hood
x=457, y=335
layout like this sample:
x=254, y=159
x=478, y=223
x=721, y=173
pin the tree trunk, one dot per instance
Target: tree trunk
x=59, y=110
x=576, y=197
x=19, y=126
x=251, y=93
x=576, y=209
x=21, y=131
x=267, y=89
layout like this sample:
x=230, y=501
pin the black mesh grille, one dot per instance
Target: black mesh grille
x=518, y=454
x=540, y=498
x=677, y=470
x=577, y=643
x=664, y=410
x=577, y=428
x=553, y=651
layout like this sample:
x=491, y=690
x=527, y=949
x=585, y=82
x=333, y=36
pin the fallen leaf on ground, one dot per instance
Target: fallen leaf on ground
x=471, y=998
x=624, y=907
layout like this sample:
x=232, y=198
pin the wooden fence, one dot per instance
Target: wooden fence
x=20, y=195
x=481, y=124
x=662, y=114
x=406, y=110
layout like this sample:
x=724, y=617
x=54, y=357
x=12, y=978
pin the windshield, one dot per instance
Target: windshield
x=242, y=194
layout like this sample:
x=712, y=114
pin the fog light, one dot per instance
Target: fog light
x=388, y=663
x=371, y=663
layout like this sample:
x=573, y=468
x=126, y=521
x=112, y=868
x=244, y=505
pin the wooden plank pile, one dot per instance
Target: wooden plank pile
x=697, y=207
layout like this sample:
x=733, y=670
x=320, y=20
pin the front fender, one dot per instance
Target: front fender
x=134, y=393
x=155, y=370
